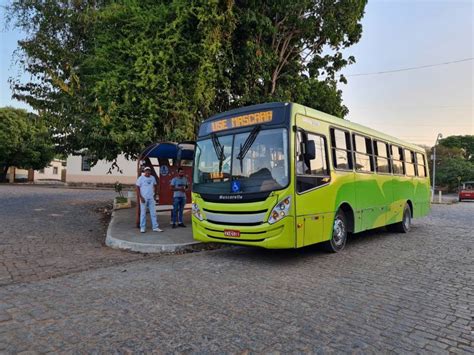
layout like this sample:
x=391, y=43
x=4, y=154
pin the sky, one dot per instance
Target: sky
x=413, y=105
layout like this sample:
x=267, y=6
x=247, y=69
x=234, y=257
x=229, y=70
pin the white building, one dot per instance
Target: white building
x=52, y=172
x=79, y=171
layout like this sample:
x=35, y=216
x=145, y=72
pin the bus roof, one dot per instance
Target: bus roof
x=359, y=128
x=322, y=116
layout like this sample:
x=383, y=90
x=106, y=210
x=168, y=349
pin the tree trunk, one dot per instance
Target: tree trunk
x=3, y=173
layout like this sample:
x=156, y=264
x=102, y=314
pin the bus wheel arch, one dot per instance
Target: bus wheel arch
x=343, y=224
x=404, y=226
x=410, y=204
x=349, y=213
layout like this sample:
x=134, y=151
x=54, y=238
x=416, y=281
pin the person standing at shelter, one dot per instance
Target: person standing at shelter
x=147, y=189
x=179, y=185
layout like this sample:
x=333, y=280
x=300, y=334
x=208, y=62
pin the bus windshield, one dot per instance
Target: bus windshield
x=249, y=162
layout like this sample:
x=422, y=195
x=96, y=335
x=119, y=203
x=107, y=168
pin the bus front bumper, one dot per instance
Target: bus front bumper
x=280, y=235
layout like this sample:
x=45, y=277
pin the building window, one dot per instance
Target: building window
x=85, y=164
x=421, y=165
x=397, y=160
x=315, y=172
x=341, y=149
x=382, y=162
x=55, y=170
x=41, y=171
x=363, y=153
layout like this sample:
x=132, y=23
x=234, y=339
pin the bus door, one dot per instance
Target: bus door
x=311, y=183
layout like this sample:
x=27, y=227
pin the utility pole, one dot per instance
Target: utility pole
x=434, y=165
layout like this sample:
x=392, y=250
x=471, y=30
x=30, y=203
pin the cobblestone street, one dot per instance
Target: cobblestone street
x=385, y=293
x=47, y=232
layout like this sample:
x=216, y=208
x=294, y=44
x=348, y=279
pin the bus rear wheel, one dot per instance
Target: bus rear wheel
x=404, y=225
x=339, y=234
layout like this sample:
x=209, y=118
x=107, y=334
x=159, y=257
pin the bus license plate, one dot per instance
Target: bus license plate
x=231, y=233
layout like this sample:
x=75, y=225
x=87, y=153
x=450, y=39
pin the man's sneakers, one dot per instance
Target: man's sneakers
x=173, y=226
x=182, y=225
x=142, y=230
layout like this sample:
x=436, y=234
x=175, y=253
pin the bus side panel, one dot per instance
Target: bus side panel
x=373, y=194
x=422, y=198
x=344, y=189
x=403, y=190
x=316, y=209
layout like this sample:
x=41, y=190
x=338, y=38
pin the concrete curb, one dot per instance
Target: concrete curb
x=181, y=248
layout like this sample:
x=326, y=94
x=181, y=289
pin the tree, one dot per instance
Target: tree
x=466, y=143
x=112, y=77
x=291, y=51
x=454, y=158
x=24, y=141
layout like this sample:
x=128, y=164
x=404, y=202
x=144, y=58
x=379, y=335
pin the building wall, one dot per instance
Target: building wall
x=51, y=172
x=20, y=174
x=98, y=174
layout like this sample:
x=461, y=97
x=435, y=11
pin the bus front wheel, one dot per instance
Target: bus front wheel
x=404, y=225
x=339, y=234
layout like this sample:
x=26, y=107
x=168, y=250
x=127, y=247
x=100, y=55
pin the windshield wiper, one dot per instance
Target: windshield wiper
x=244, y=148
x=219, y=149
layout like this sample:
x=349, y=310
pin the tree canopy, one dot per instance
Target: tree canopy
x=464, y=143
x=114, y=76
x=454, y=158
x=24, y=141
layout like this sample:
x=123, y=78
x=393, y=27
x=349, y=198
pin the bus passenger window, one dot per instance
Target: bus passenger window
x=382, y=161
x=311, y=173
x=363, y=154
x=409, y=162
x=397, y=160
x=341, y=149
x=421, y=166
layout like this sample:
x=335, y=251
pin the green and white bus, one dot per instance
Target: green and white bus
x=282, y=175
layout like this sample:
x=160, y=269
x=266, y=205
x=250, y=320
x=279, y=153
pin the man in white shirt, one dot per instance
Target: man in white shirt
x=147, y=190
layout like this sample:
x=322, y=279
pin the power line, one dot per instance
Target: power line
x=412, y=68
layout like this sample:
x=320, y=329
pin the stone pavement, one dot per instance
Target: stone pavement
x=386, y=293
x=123, y=234
x=47, y=232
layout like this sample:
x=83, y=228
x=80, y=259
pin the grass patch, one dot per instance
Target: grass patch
x=120, y=199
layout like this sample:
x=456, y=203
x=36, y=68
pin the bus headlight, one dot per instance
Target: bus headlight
x=197, y=211
x=281, y=210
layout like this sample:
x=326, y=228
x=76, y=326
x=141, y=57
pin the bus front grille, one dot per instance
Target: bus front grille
x=237, y=218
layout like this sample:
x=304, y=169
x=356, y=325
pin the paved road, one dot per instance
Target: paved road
x=46, y=232
x=385, y=293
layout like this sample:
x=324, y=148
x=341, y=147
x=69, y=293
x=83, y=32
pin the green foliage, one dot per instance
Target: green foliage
x=24, y=141
x=115, y=76
x=454, y=157
x=118, y=188
x=466, y=143
x=291, y=51
x=121, y=199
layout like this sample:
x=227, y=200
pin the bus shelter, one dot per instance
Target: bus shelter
x=164, y=159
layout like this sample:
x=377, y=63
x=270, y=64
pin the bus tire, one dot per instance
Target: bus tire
x=404, y=225
x=339, y=234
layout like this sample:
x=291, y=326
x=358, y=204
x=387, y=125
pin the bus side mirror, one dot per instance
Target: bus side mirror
x=310, y=150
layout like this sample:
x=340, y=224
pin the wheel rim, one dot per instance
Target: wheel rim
x=406, y=220
x=339, y=232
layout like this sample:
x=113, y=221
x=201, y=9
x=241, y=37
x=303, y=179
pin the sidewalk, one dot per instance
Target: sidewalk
x=122, y=234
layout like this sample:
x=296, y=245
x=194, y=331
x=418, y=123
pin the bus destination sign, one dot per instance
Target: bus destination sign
x=242, y=121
